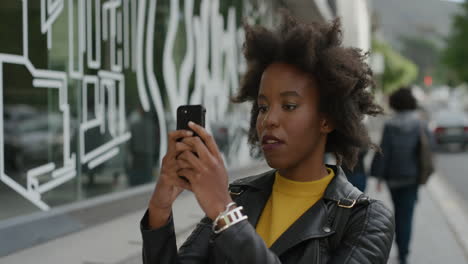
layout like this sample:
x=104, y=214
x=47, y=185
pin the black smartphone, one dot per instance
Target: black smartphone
x=186, y=113
x=194, y=113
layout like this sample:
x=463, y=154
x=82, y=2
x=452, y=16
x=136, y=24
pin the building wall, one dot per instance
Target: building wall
x=356, y=19
x=90, y=89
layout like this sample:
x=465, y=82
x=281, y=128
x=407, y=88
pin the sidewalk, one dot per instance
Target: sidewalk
x=434, y=240
x=440, y=228
x=119, y=241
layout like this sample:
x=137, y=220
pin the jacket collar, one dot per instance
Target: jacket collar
x=338, y=188
x=312, y=224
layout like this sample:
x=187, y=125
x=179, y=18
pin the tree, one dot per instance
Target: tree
x=399, y=71
x=456, y=53
x=424, y=53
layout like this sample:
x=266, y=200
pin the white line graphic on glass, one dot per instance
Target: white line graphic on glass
x=41, y=79
x=145, y=68
x=120, y=19
x=111, y=86
x=50, y=11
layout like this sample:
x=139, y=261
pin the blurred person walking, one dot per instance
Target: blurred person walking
x=308, y=96
x=358, y=175
x=398, y=163
x=142, y=148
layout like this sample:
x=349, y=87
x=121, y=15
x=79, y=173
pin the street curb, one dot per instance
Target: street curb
x=40, y=227
x=454, y=213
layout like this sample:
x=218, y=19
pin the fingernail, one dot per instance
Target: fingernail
x=191, y=123
x=189, y=133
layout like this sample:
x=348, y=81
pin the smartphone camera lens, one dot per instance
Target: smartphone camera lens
x=185, y=111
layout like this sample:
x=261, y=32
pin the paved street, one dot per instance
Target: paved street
x=433, y=239
x=454, y=168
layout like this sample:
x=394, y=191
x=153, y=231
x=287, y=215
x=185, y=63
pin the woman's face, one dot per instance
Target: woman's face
x=289, y=126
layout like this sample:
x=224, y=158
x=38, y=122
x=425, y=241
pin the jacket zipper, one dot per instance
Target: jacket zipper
x=317, y=253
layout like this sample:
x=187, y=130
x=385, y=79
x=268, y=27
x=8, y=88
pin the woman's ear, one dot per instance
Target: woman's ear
x=326, y=126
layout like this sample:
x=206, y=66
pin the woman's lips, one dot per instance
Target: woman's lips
x=271, y=146
x=270, y=142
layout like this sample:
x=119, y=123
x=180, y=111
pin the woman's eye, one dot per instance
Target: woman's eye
x=290, y=107
x=262, y=108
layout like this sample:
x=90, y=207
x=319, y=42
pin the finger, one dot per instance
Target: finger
x=182, y=184
x=206, y=137
x=190, y=174
x=191, y=159
x=197, y=146
x=173, y=136
x=181, y=147
x=182, y=164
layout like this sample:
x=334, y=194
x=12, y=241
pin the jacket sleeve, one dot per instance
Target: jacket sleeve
x=241, y=244
x=381, y=160
x=368, y=237
x=159, y=245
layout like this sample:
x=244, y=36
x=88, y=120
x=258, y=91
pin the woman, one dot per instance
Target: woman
x=308, y=96
x=398, y=163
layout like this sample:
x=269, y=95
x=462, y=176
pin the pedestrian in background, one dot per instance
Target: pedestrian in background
x=308, y=96
x=358, y=176
x=142, y=147
x=398, y=163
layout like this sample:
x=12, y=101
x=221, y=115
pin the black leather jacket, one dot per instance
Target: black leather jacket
x=367, y=236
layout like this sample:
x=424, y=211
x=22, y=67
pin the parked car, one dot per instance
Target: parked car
x=450, y=127
x=13, y=117
x=36, y=141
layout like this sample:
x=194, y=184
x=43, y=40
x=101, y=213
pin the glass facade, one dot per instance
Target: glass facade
x=90, y=88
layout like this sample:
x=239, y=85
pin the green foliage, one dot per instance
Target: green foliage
x=424, y=53
x=399, y=71
x=456, y=53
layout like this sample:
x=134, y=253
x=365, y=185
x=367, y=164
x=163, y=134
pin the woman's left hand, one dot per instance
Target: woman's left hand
x=206, y=173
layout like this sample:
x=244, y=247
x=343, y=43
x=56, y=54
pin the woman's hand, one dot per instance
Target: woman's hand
x=203, y=166
x=169, y=185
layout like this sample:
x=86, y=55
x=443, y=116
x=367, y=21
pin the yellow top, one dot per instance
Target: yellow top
x=288, y=201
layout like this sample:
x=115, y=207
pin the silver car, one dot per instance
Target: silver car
x=451, y=127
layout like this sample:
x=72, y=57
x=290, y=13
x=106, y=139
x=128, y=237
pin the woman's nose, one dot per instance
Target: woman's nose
x=271, y=119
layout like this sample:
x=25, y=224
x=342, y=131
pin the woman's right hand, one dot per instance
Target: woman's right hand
x=169, y=185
